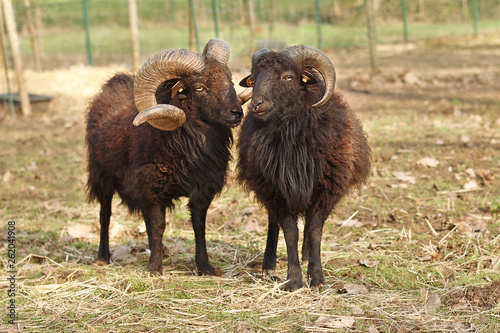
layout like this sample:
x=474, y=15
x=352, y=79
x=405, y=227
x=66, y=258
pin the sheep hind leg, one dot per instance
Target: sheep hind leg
x=269, y=262
x=103, y=254
x=198, y=209
x=294, y=272
x=154, y=217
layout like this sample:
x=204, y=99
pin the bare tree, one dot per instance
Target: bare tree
x=371, y=22
x=32, y=32
x=10, y=23
x=134, y=33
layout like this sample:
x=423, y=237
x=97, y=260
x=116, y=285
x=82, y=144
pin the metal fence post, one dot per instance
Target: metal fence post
x=87, y=31
x=216, y=20
x=405, y=21
x=194, y=26
x=475, y=17
x=318, y=23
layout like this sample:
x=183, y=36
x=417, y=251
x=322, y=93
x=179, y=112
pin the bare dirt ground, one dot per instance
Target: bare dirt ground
x=417, y=250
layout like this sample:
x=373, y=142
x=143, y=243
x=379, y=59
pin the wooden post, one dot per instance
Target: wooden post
x=271, y=17
x=194, y=42
x=10, y=22
x=421, y=8
x=251, y=23
x=3, y=57
x=318, y=24
x=166, y=8
x=134, y=33
x=336, y=9
x=31, y=30
x=4, y=62
x=372, y=33
x=39, y=29
x=465, y=10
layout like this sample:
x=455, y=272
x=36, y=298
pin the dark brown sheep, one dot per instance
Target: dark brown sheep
x=301, y=149
x=190, y=104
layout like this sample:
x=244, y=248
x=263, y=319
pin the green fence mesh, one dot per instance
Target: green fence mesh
x=164, y=24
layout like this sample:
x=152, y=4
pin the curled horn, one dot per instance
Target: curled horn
x=245, y=95
x=164, y=116
x=159, y=68
x=308, y=56
x=218, y=50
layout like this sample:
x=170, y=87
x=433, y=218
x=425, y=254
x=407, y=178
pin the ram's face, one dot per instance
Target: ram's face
x=208, y=96
x=214, y=96
x=277, y=86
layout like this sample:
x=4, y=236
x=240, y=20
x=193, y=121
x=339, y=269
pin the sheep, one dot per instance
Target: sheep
x=190, y=105
x=301, y=149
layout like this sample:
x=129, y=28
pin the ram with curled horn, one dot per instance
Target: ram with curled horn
x=301, y=148
x=162, y=135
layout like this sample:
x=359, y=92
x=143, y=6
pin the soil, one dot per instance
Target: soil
x=465, y=68
x=474, y=297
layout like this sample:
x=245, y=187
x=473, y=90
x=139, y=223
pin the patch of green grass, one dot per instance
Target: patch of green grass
x=495, y=204
x=158, y=37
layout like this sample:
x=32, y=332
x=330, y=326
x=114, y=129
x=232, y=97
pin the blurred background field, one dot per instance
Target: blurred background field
x=244, y=24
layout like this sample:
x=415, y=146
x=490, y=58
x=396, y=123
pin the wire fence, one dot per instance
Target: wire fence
x=69, y=32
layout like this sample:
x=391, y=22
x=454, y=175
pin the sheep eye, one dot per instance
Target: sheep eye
x=288, y=78
x=250, y=82
x=198, y=89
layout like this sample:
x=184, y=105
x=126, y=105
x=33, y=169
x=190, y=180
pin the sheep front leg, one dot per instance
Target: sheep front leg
x=103, y=254
x=313, y=232
x=291, y=232
x=154, y=217
x=269, y=263
x=198, y=208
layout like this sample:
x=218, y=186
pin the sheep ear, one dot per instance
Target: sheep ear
x=177, y=88
x=247, y=81
x=307, y=77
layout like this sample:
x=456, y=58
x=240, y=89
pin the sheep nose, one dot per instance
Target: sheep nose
x=237, y=112
x=255, y=105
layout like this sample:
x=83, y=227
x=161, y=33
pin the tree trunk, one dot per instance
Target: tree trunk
x=39, y=29
x=134, y=33
x=192, y=32
x=32, y=32
x=251, y=24
x=372, y=33
x=336, y=9
x=16, y=55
